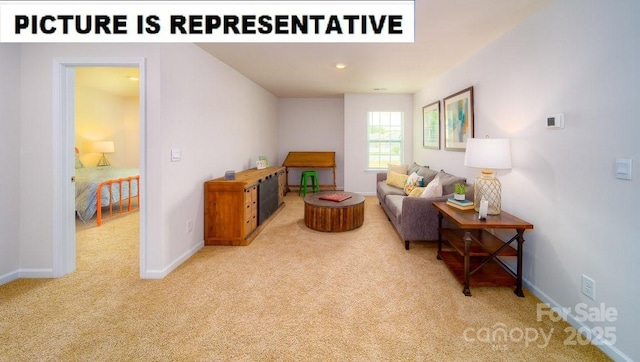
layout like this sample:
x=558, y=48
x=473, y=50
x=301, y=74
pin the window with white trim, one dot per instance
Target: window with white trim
x=384, y=135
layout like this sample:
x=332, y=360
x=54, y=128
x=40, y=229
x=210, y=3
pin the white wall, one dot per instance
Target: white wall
x=102, y=116
x=579, y=57
x=194, y=102
x=312, y=124
x=220, y=121
x=130, y=146
x=10, y=162
x=356, y=108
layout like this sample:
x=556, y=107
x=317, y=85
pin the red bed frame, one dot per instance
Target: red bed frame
x=117, y=183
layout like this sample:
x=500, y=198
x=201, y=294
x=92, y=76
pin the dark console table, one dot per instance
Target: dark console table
x=474, y=258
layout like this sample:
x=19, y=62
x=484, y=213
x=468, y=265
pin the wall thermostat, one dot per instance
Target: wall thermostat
x=555, y=121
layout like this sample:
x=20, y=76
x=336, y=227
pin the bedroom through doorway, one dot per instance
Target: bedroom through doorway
x=107, y=147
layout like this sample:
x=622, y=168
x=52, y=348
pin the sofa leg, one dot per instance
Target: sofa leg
x=406, y=244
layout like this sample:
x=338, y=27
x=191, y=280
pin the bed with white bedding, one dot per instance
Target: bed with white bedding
x=98, y=187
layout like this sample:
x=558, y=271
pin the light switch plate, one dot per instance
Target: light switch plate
x=176, y=155
x=623, y=168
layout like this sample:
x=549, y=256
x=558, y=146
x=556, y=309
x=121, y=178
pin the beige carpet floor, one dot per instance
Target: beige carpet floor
x=294, y=294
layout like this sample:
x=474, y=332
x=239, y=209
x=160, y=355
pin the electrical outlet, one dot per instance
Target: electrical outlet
x=189, y=226
x=588, y=287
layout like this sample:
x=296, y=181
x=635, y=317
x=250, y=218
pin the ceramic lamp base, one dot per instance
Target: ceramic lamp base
x=488, y=187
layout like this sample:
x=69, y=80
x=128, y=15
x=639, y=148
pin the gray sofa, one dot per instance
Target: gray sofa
x=415, y=218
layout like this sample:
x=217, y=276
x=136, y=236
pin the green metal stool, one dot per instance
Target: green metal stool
x=304, y=176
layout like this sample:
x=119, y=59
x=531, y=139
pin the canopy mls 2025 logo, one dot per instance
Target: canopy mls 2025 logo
x=207, y=21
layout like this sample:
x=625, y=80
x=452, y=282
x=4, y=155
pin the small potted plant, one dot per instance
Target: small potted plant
x=460, y=191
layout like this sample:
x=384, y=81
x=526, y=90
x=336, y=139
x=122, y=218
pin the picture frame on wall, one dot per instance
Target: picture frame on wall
x=458, y=119
x=431, y=126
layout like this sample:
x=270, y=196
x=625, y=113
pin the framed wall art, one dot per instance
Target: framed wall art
x=458, y=120
x=431, y=126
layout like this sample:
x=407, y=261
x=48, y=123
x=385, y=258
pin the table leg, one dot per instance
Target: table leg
x=286, y=180
x=440, y=216
x=335, y=187
x=520, y=239
x=467, y=261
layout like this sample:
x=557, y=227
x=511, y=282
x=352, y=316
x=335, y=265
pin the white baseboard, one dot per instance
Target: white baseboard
x=9, y=277
x=25, y=273
x=161, y=273
x=36, y=273
x=150, y=274
x=603, y=344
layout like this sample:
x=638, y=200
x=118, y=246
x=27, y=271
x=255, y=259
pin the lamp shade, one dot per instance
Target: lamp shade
x=103, y=147
x=488, y=153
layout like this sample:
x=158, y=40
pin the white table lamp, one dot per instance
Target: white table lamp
x=103, y=147
x=488, y=154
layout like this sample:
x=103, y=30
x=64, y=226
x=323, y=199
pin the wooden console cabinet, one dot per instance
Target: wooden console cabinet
x=236, y=210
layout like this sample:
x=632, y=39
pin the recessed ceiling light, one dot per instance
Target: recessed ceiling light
x=341, y=66
x=132, y=78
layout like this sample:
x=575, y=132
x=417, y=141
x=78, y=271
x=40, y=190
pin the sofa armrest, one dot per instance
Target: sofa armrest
x=381, y=176
x=420, y=218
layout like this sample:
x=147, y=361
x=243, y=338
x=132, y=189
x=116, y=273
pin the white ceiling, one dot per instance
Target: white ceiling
x=447, y=32
x=113, y=80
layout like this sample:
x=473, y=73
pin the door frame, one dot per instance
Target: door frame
x=64, y=240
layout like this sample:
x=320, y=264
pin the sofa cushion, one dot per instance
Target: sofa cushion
x=427, y=174
x=424, y=171
x=397, y=179
x=414, y=167
x=449, y=182
x=394, y=203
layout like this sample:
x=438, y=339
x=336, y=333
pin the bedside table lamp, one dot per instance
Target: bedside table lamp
x=103, y=147
x=488, y=154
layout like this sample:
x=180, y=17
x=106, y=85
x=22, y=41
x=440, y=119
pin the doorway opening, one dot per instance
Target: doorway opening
x=107, y=147
x=73, y=129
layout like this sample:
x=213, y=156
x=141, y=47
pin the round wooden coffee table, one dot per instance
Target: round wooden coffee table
x=332, y=216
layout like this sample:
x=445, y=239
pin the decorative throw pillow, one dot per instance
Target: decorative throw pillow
x=433, y=189
x=416, y=192
x=78, y=162
x=408, y=188
x=396, y=179
x=402, y=169
x=413, y=181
